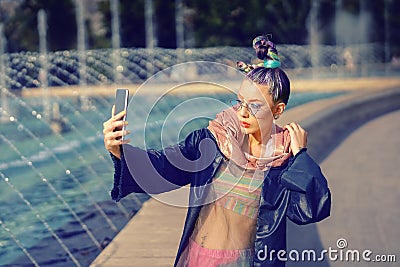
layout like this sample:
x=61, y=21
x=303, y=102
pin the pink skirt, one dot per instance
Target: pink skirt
x=199, y=256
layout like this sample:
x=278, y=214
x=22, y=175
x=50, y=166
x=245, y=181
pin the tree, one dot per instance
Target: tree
x=208, y=22
x=21, y=30
x=236, y=22
x=132, y=22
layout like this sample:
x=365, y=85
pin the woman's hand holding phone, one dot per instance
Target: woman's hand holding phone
x=113, y=133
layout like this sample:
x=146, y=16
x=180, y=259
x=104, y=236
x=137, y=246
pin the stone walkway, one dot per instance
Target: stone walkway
x=365, y=186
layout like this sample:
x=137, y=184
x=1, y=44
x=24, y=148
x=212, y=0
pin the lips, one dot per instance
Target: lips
x=245, y=124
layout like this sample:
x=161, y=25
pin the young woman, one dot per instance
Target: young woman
x=259, y=175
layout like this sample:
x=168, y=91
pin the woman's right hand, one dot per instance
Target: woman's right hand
x=112, y=138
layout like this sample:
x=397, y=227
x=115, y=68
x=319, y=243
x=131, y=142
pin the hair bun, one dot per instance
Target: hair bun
x=266, y=51
x=265, y=48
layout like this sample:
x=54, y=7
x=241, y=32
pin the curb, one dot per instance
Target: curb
x=329, y=127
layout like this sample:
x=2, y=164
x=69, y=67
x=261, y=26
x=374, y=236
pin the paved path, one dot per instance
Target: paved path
x=365, y=185
x=365, y=190
x=149, y=239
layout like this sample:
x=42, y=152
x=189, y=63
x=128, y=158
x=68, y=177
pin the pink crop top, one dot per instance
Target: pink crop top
x=238, y=189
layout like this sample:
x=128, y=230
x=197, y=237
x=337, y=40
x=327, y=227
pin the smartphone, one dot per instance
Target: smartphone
x=121, y=104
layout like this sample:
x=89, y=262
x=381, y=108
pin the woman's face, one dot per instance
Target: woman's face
x=256, y=97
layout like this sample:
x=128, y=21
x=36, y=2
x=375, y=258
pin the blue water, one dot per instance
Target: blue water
x=70, y=170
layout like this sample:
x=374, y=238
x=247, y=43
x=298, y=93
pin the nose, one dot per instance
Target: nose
x=243, y=112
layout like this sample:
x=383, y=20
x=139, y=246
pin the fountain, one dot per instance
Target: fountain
x=39, y=216
x=180, y=30
x=29, y=147
x=116, y=42
x=82, y=69
x=42, y=29
x=50, y=154
x=354, y=51
x=314, y=39
x=151, y=41
x=4, y=101
x=33, y=261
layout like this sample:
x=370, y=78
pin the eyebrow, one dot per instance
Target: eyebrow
x=239, y=95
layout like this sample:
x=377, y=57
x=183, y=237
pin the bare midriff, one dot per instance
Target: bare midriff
x=220, y=228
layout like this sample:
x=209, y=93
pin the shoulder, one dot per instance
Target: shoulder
x=199, y=142
x=196, y=136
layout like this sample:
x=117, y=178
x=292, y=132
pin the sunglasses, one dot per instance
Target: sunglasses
x=252, y=108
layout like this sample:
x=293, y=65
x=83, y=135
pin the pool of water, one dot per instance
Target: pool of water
x=55, y=208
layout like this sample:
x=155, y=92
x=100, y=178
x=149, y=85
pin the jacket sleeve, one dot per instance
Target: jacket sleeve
x=310, y=197
x=153, y=171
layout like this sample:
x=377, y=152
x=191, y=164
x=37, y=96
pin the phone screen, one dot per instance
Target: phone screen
x=121, y=104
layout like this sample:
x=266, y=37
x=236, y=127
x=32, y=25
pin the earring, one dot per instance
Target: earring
x=276, y=116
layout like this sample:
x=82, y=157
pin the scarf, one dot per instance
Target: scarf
x=230, y=139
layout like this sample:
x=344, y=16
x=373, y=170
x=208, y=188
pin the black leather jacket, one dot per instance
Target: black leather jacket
x=297, y=190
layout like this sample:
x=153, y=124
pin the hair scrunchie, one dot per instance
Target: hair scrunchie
x=272, y=64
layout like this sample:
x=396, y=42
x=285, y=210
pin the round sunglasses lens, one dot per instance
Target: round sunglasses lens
x=253, y=110
x=235, y=104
